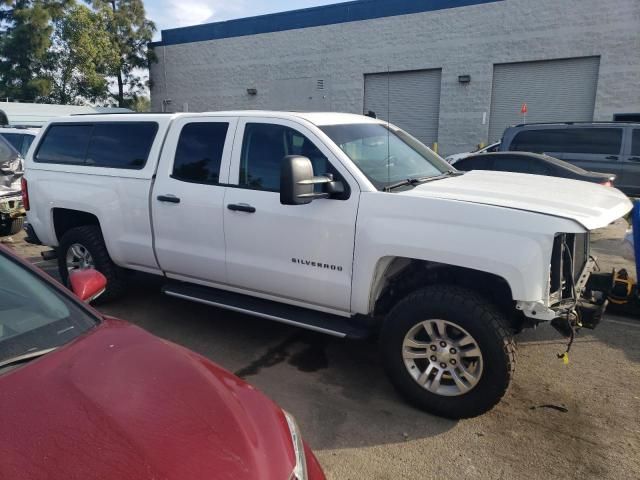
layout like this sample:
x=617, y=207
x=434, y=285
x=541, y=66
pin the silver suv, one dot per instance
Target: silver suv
x=610, y=147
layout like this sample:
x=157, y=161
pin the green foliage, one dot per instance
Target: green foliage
x=81, y=57
x=130, y=32
x=62, y=52
x=24, y=46
x=138, y=103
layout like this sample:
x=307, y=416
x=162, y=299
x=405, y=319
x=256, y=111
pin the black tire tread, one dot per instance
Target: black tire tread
x=91, y=237
x=484, y=312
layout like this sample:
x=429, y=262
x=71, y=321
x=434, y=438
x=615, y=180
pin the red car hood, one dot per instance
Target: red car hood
x=122, y=404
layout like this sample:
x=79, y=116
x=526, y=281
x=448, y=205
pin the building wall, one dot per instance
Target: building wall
x=215, y=74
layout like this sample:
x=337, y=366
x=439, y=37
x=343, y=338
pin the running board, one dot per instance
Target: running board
x=335, y=325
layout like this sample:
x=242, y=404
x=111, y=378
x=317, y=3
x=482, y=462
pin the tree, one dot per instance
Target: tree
x=131, y=33
x=81, y=56
x=139, y=103
x=24, y=45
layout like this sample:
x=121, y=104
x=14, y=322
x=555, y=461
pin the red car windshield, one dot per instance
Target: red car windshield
x=33, y=314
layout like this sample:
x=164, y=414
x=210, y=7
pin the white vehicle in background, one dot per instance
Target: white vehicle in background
x=338, y=223
x=20, y=138
x=452, y=159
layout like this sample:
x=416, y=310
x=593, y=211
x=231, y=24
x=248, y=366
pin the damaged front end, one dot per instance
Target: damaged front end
x=11, y=172
x=578, y=292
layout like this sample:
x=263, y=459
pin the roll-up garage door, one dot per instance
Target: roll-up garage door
x=410, y=100
x=554, y=91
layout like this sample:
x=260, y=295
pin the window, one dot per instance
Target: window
x=199, y=152
x=7, y=152
x=513, y=164
x=121, y=145
x=474, y=163
x=263, y=148
x=635, y=142
x=597, y=141
x=34, y=314
x=105, y=144
x=27, y=140
x=20, y=141
x=66, y=144
x=385, y=155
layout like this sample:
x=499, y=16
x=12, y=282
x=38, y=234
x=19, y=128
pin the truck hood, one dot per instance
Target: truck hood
x=121, y=403
x=591, y=205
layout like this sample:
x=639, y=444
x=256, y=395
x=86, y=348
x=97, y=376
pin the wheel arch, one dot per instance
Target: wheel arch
x=64, y=219
x=396, y=277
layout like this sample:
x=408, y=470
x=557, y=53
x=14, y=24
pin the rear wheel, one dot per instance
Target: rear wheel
x=448, y=351
x=82, y=248
x=12, y=227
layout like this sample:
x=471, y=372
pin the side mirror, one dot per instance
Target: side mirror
x=87, y=284
x=297, y=182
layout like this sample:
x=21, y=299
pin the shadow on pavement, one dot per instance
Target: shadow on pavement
x=336, y=388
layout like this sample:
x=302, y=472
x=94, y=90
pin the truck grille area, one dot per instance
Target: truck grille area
x=568, y=259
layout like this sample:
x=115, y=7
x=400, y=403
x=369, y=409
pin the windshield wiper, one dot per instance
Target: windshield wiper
x=419, y=180
x=402, y=183
x=25, y=357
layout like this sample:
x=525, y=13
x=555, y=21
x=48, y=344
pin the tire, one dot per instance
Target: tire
x=465, y=314
x=14, y=227
x=90, y=238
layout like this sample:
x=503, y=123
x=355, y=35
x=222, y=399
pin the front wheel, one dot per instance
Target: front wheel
x=448, y=351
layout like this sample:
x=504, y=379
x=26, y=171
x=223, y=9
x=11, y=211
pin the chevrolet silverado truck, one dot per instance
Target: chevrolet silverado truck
x=338, y=223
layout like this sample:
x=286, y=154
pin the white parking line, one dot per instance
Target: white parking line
x=626, y=324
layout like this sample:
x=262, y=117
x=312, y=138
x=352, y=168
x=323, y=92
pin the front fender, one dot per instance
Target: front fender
x=512, y=244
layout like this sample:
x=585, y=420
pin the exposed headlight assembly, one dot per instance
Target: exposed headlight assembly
x=300, y=470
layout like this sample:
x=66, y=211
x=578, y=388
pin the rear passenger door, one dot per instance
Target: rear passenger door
x=187, y=199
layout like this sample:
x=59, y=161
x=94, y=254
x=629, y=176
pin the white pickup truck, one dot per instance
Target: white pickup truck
x=338, y=223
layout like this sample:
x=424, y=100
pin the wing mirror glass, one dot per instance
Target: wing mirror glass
x=297, y=182
x=87, y=284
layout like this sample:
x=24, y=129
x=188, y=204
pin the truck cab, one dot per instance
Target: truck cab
x=338, y=223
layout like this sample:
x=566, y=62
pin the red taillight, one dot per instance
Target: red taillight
x=608, y=183
x=25, y=193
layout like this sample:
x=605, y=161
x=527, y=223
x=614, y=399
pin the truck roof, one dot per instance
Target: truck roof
x=317, y=118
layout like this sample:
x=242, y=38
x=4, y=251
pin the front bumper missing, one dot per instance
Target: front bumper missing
x=11, y=207
x=592, y=291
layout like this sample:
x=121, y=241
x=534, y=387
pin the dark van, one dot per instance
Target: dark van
x=610, y=147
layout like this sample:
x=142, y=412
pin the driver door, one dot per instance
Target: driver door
x=299, y=254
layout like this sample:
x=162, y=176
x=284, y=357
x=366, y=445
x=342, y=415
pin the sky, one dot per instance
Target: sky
x=180, y=13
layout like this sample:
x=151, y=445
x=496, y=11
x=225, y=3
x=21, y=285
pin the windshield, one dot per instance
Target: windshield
x=33, y=314
x=386, y=155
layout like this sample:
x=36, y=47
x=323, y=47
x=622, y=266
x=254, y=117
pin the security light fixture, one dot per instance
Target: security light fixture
x=252, y=91
x=464, y=78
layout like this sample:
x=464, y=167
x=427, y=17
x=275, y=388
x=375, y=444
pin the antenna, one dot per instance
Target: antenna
x=388, y=125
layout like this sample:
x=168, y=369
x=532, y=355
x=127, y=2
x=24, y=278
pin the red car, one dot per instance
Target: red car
x=83, y=396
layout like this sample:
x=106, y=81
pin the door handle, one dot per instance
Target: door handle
x=241, y=207
x=168, y=198
x=611, y=157
x=634, y=159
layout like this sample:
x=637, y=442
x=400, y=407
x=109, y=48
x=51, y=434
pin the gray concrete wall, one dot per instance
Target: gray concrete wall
x=214, y=75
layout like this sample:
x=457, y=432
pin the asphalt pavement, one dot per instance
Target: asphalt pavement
x=580, y=420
